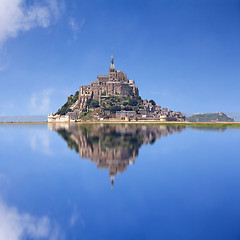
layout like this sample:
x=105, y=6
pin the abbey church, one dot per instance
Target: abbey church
x=114, y=84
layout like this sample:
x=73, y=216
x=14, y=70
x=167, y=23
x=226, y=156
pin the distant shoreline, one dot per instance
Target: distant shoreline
x=186, y=124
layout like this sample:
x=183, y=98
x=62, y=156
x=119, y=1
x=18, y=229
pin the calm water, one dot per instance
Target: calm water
x=119, y=182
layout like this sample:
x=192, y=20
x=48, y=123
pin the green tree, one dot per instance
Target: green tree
x=94, y=104
x=114, y=109
x=152, y=102
x=135, y=109
x=133, y=102
x=128, y=108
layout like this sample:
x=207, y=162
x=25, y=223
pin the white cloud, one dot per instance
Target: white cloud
x=40, y=102
x=16, y=226
x=17, y=16
x=76, y=27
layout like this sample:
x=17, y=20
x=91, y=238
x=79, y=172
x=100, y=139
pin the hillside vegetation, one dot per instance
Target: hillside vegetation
x=67, y=106
x=109, y=104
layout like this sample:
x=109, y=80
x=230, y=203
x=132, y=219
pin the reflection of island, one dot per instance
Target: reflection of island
x=112, y=147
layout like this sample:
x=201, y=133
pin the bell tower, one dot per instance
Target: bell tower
x=112, y=71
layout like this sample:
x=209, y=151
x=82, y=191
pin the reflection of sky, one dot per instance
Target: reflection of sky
x=15, y=225
x=40, y=142
x=184, y=186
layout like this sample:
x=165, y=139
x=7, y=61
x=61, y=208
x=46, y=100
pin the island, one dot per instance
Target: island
x=210, y=117
x=112, y=97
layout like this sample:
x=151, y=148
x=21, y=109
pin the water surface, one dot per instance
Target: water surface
x=119, y=182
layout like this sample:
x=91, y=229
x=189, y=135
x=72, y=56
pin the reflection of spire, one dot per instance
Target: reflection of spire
x=112, y=183
x=112, y=177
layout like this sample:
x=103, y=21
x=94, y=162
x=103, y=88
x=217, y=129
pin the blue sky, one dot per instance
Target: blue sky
x=184, y=54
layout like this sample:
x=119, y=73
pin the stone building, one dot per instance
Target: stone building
x=123, y=115
x=156, y=112
x=69, y=117
x=115, y=83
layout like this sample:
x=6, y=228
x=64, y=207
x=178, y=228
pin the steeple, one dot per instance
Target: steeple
x=112, y=58
x=112, y=64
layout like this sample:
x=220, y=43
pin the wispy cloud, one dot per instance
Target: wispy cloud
x=76, y=27
x=40, y=142
x=76, y=217
x=18, y=16
x=40, y=102
x=16, y=226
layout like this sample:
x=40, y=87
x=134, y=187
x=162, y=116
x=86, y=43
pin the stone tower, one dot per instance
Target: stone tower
x=112, y=71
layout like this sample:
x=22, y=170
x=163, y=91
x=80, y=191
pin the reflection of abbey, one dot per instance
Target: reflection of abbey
x=114, y=84
x=112, y=97
x=111, y=147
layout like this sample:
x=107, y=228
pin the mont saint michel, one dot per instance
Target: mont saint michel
x=119, y=120
x=112, y=97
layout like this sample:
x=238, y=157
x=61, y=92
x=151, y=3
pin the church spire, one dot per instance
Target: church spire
x=112, y=58
x=112, y=62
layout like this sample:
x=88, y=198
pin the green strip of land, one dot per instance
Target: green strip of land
x=155, y=123
x=185, y=124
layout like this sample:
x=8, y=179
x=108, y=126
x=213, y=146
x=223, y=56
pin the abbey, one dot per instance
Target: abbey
x=115, y=83
x=112, y=97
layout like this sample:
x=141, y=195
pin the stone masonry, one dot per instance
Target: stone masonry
x=115, y=83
